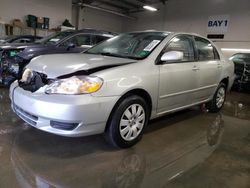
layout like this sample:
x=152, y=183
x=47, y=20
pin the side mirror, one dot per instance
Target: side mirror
x=71, y=45
x=172, y=56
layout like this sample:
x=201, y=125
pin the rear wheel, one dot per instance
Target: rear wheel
x=127, y=122
x=218, y=100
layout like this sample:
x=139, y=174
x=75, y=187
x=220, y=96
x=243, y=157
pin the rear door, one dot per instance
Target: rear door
x=209, y=68
x=178, y=80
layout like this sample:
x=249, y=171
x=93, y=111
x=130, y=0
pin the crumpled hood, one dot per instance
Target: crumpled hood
x=62, y=64
x=34, y=50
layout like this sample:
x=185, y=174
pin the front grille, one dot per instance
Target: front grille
x=27, y=117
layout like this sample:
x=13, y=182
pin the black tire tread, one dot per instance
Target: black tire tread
x=211, y=106
x=111, y=133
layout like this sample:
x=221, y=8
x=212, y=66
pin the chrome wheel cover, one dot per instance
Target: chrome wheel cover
x=132, y=122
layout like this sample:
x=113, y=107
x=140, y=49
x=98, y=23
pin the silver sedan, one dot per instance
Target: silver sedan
x=116, y=87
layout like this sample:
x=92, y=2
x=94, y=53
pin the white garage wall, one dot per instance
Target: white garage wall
x=56, y=10
x=90, y=18
x=192, y=16
x=176, y=15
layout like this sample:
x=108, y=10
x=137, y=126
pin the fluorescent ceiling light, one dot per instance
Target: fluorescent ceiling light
x=149, y=8
x=235, y=50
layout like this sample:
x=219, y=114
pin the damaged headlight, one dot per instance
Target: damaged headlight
x=75, y=85
x=27, y=75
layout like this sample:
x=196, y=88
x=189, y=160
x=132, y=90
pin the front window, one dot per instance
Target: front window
x=55, y=38
x=130, y=45
x=183, y=44
x=78, y=40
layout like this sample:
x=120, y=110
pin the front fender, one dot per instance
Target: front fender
x=122, y=79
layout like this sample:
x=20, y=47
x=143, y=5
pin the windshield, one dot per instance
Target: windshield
x=129, y=45
x=54, y=38
x=7, y=39
x=241, y=57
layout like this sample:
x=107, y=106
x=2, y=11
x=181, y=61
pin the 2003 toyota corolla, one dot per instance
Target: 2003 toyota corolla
x=117, y=86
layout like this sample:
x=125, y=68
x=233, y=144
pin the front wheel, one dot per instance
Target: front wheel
x=218, y=100
x=127, y=122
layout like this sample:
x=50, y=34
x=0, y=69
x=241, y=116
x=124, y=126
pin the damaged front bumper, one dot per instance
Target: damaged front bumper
x=65, y=115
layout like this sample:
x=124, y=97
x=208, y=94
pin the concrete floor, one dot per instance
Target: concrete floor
x=187, y=149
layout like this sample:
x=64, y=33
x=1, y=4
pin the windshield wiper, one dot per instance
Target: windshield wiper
x=112, y=55
x=87, y=52
x=117, y=55
x=132, y=57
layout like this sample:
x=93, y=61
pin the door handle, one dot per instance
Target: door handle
x=195, y=68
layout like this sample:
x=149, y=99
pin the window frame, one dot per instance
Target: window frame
x=191, y=37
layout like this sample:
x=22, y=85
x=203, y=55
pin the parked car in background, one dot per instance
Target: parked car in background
x=242, y=70
x=19, y=39
x=9, y=47
x=117, y=86
x=14, y=58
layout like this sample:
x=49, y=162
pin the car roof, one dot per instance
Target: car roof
x=21, y=36
x=167, y=32
x=94, y=31
x=151, y=31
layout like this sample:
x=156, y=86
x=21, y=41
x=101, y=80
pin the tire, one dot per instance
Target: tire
x=218, y=100
x=127, y=122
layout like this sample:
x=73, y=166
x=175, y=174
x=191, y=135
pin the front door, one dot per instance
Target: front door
x=178, y=80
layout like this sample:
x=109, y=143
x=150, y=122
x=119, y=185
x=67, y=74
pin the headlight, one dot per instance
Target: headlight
x=75, y=85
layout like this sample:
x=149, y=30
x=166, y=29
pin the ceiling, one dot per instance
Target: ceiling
x=121, y=6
